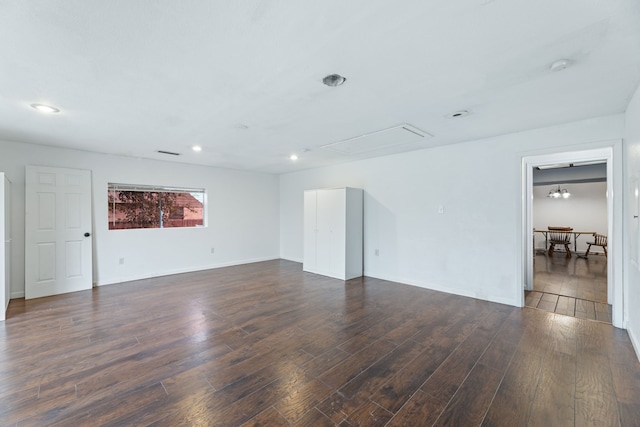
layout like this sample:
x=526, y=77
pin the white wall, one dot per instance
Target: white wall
x=242, y=214
x=472, y=249
x=585, y=210
x=632, y=238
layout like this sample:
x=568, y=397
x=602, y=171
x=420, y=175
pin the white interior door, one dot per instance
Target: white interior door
x=58, y=249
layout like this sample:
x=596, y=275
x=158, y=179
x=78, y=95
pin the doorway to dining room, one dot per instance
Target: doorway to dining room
x=576, y=269
x=569, y=208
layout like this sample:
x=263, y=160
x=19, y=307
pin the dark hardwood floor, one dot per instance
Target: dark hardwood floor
x=267, y=345
x=575, y=286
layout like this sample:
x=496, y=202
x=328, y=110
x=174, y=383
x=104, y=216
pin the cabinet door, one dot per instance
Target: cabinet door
x=309, y=231
x=330, y=248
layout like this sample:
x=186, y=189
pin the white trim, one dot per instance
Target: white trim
x=634, y=342
x=184, y=270
x=113, y=186
x=435, y=287
x=611, y=151
x=15, y=295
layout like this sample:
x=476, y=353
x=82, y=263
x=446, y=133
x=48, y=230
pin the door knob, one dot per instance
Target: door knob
x=87, y=234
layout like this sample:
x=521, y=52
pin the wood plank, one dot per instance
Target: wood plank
x=585, y=309
x=554, y=403
x=626, y=381
x=532, y=298
x=110, y=412
x=399, y=389
x=563, y=335
x=548, y=305
x=446, y=380
x=566, y=306
x=325, y=362
x=295, y=405
x=499, y=353
x=629, y=414
x=356, y=392
x=267, y=418
x=537, y=326
x=513, y=400
x=470, y=403
x=368, y=414
x=313, y=418
x=421, y=409
x=355, y=364
x=596, y=403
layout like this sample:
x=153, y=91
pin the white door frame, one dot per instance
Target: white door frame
x=612, y=154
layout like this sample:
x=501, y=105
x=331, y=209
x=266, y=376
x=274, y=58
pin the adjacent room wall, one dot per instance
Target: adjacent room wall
x=473, y=247
x=585, y=210
x=632, y=236
x=242, y=215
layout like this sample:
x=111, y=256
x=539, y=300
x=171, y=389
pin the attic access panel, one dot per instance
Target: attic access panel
x=402, y=135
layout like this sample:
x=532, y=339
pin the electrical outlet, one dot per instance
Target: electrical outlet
x=121, y=261
x=440, y=209
x=213, y=250
x=376, y=252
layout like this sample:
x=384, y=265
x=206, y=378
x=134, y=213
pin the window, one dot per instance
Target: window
x=144, y=206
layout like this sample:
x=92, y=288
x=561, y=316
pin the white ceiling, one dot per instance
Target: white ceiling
x=133, y=77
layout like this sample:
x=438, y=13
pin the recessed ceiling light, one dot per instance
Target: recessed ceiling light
x=293, y=157
x=560, y=65
x=458, y=114
x=196, y=148
x=334, y=80
x=45, y=108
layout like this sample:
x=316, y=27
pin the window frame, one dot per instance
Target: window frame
x=112, y=186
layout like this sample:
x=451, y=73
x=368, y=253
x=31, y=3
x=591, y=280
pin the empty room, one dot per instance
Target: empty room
x=329, y=213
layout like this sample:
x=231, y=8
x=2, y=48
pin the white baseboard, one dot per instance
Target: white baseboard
x=17, y=295
x=634, y=341
x=454, y=291
x=131, y=278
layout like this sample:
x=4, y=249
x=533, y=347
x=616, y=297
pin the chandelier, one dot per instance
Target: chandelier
x=557, y=193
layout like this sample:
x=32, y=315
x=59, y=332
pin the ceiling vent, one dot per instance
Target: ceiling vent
x=403, y=135
x=171, y=153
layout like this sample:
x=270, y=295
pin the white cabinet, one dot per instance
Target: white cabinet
x=333, y=232
x=5, y=251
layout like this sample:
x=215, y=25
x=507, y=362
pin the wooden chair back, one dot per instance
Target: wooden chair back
x=600, y=240
x=560, y=237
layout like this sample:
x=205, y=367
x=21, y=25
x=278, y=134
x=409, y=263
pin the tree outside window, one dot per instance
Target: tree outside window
x=154, y=207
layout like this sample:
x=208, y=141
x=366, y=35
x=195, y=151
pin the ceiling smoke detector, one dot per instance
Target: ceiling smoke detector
x=458, y=114
x=334, y=80
x=48, y=109
x=560, y=65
